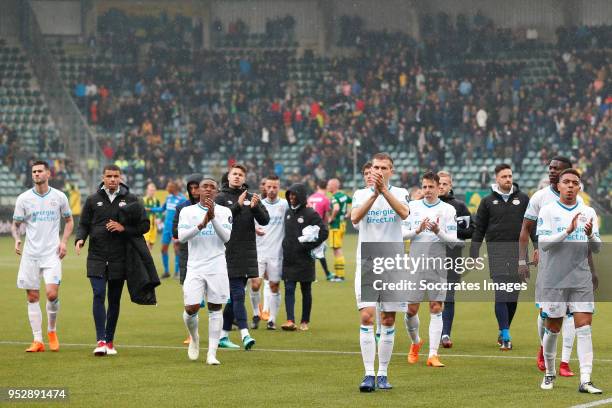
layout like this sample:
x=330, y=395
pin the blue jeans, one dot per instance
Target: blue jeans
x=235, y=309
x=106, y=320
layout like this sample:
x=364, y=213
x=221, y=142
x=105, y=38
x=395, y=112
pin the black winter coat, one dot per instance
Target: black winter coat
x=499, y=222
x=106, y=255
x=141, y=274
x=465, y=225
x=241, y=249
x=184, y=247
x=298, y=264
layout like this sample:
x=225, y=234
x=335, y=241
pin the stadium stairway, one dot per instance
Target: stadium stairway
x=23, y=109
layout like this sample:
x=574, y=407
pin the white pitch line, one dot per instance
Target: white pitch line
x=594, y=403
x=339, y=352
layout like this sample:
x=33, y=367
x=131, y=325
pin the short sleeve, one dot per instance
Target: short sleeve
x=356, y=200
x=20, y=211
x=65, y=206
x=533, y=208
x=544, y=224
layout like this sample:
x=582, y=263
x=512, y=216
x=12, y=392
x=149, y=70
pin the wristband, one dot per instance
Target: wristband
x=522, y=262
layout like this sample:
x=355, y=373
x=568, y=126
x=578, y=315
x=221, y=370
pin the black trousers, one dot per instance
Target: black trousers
x=306, y=288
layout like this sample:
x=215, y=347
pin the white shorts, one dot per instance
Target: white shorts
x=430, y=292
x=570, y=300
x=212, y=287
x=30, y=271
x=383, y=306
x=273, y=267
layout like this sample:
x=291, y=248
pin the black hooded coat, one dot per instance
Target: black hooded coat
x=298, y=264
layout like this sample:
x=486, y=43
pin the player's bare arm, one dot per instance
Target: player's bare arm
x=61, y=250
x=16, y=236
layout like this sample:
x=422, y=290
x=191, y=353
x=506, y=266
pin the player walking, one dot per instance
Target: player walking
x=337, y=226
x=368, y=205
x=567, y=231
x=206, y=227
x=430, y=227
x=41, y=210
x=270, y=246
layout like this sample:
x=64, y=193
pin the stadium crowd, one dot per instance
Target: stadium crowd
x=394, y=91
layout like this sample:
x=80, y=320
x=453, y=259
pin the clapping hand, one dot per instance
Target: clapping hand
x=588, y=228
x=255, y=200
x=573, y=224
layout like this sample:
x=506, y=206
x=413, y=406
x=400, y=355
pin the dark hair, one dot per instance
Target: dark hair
x=322, y=184
x=41, y=163
x=569, y=171
x=367, y=165
x=430, y=175
x=273, y=177
x=563, y=159
x=501, y=167
x=382, y=156
x=111, y=167
x=239, y=166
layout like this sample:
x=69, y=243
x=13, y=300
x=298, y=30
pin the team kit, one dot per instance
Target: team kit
x=556, y=219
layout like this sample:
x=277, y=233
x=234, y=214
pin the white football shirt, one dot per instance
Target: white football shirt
x=565, y=265
x=270, y=245
x=206, y=246
x=41, y=215
x=381, y=223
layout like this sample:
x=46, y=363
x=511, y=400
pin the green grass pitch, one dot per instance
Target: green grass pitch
x=321, y=367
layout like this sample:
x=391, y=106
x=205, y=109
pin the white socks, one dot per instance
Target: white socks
x=266, y=295
x=550, y=350
x=215, y=322
x=274, y=302
x=52, y=309
x=541, y=328
x=191, y=322
x=244, y=333
x=367, y=342
x=255, y=299
x=435, y=332
x=35, y=316
x=412, y=326
x=385, y=348
x=224, y=334
x=569, y=333
x=585, y=352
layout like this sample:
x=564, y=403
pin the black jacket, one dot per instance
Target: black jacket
x=465, y=225
x=499, y=222
x=184, y=247
x=141, y=274
x=241, y=249
x=298, y=264
x=106, y=254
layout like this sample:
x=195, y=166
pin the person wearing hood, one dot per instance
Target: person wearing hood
x=106, y=257
x=498, y=220
x=241, y=250
x=298, y=263
x=465, y=228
